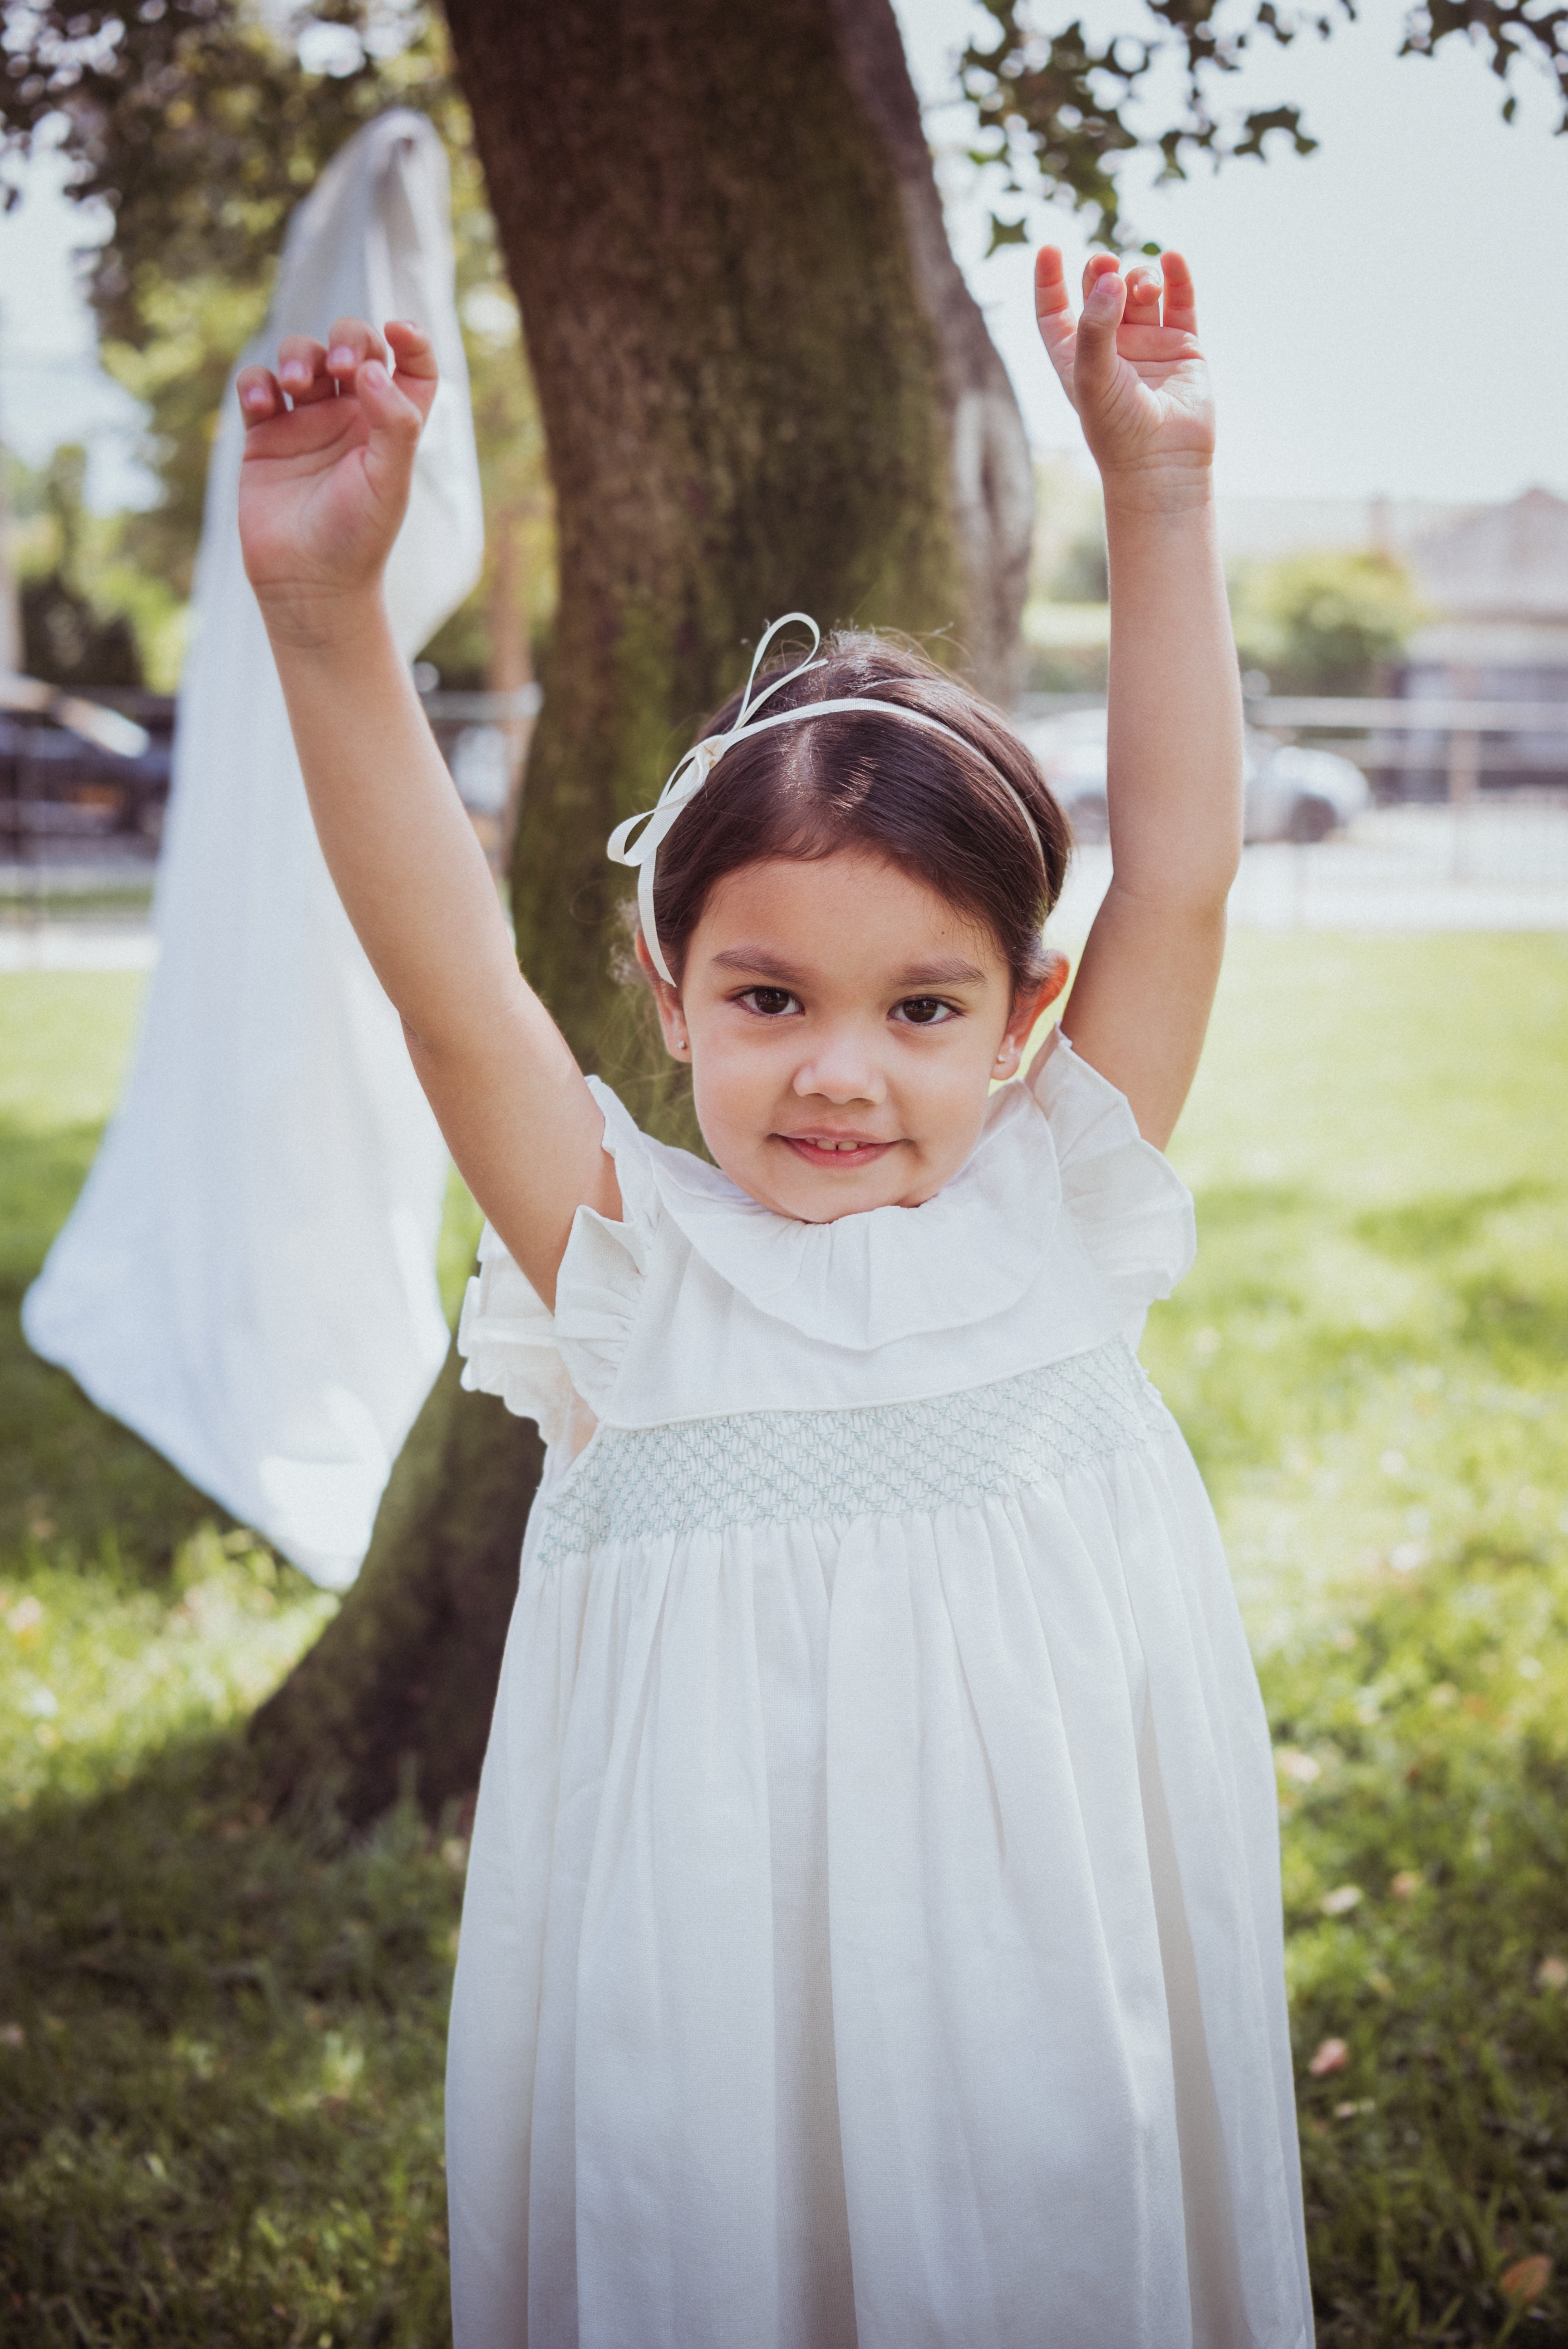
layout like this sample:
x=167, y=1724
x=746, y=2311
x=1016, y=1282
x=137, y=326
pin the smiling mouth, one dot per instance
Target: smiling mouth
x=834, y=1150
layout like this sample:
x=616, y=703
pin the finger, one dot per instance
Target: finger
x=302, y=369
x=1180, y=303
x=1051, y=295
x=394, y=418
x=1099, y=266
x=1143, y=298
x=260, y=394
x=417, y=373
x=1096, y=358
x=349, y=345
x=1054, y=313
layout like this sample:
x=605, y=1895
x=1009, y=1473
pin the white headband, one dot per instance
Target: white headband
x=702, y=758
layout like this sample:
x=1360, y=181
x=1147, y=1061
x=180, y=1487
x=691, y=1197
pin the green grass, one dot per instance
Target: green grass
x=1371, y=1359
x=220, y=2038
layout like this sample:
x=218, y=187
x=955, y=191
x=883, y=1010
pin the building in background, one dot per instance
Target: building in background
x=1271, y=530
x=1496, y=583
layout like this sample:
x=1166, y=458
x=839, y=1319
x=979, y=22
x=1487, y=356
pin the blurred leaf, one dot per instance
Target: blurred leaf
x=1006, y=233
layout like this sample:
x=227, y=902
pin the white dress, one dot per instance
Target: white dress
x=872, y=1933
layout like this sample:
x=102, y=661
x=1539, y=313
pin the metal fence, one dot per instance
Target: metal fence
x=1469, y=828
x=1429, y=749
x=1421, y=748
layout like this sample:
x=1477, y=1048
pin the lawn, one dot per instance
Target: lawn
x=221, y=2035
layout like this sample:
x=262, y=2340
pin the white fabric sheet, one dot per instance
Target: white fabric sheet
x=872, y=1937
x=248, y=1278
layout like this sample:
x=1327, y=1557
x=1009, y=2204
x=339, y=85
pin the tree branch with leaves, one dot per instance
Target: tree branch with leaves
x=1057, y=108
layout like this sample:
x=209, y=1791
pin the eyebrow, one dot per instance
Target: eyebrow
x=953, y=971
x=757, y=958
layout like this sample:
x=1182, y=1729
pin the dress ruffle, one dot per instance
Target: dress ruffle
x=1127, y=1204
x=600, y=1283
x=1061, y=1149
x=508, y=1337
x=537, y=1361
x=868, y=1280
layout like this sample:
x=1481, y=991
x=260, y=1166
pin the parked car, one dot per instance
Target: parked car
x=1291, y=794
x=72, y=768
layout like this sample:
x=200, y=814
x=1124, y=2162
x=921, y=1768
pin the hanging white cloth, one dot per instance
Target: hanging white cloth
x=248, y=1278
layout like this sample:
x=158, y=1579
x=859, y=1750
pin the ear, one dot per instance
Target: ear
x=672, y=1018
x=1028, y=1006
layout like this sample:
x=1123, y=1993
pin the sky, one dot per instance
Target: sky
x=1388, y=317
x=51, y=387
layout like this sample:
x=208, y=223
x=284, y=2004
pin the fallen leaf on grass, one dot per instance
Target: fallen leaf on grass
x=1332, y=2056
x=1526, y=2279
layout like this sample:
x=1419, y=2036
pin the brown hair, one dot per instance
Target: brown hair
x=850, y=780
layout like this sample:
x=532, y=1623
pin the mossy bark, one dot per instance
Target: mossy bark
x=765, y=388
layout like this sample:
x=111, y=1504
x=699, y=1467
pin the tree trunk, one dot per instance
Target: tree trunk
x=510, y=658
x=398, y=1690
x=765, y=386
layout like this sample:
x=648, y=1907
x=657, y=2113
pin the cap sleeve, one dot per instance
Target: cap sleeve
x=508, y=1339
x=539, y=1361
x=604, y=1272
x=1130, y=1208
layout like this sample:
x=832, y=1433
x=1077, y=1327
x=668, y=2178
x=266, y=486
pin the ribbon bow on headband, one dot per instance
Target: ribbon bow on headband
x=699, y=762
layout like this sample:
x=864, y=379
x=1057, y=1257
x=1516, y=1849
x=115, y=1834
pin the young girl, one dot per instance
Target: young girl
x=873, y=1921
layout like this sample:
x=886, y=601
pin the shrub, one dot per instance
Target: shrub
x=1323, y=622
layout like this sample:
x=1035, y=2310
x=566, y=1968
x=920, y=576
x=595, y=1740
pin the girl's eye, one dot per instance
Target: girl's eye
x=770, y=1001
x=924, y=1010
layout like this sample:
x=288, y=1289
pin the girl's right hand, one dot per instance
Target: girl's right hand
x=324, y=482
x=1136, y=379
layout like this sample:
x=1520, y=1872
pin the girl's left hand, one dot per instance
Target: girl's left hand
x=1138, y=380
x=328, y=459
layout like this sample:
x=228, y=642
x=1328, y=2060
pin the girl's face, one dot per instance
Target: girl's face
x=845, y=1025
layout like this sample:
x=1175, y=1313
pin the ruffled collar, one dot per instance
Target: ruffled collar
x=871, y=1279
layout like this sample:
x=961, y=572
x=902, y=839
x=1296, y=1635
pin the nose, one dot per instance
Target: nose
x=842, y=1068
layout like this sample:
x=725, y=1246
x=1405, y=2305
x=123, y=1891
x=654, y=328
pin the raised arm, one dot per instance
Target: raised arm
x=1144, y=987
x=323, y=489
